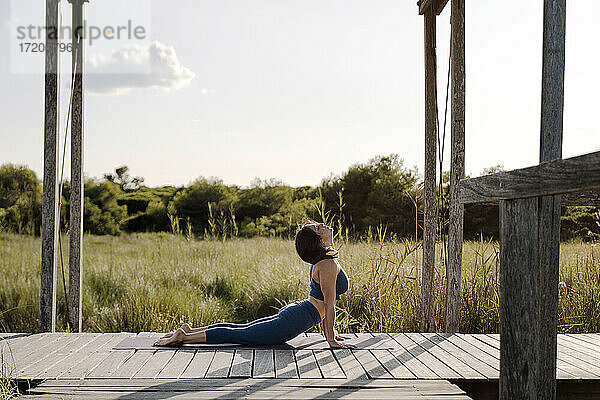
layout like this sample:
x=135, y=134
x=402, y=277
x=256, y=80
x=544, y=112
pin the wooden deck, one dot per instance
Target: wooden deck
x=411, y=364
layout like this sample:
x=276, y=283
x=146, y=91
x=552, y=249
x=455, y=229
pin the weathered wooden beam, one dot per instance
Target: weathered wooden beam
x=457, y=168
x=76, y=200
x=437, y=5
x=576, y=174
x=551, y=138
x=519, y=291
x=587, y=198
x=430, y=206
x=50, y=190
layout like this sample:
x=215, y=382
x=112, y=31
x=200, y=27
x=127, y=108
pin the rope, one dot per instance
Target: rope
x=62, y=172
x=441, y=146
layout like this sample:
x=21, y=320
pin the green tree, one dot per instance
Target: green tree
x=192, y=202
x=121, y=177
x=20, y=200
x=375, y=193
x=102, y=215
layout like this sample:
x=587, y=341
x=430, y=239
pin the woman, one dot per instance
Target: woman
x=314, y=244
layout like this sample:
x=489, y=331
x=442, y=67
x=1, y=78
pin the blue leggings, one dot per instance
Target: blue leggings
x=288, y=323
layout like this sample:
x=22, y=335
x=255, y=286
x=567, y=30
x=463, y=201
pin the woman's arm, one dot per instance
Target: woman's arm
x=328, y=270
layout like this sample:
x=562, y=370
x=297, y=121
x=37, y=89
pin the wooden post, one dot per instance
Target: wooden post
x=551, y=136
x=430, y=206
x=50, y=195
x=457, y=168
x=76, y=201
x=519, y=292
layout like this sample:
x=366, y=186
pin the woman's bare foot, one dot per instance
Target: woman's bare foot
x=176, y=339
x=185, y=327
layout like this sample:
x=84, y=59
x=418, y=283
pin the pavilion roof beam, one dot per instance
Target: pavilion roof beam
x=438, y=6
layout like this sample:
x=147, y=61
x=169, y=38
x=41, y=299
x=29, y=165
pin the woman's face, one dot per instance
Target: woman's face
x=325, y=232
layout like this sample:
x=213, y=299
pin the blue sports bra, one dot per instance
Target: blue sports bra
x=341, y=285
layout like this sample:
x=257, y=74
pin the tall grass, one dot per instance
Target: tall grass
x=8, y=387
x=154, y=282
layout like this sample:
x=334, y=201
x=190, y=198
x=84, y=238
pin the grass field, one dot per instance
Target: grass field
x=154, y=282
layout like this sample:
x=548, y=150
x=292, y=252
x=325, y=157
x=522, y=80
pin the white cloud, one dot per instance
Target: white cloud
x=153, y=66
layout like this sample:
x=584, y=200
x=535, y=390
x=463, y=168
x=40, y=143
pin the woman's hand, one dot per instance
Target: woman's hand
x=337, y=345
x=340, y=338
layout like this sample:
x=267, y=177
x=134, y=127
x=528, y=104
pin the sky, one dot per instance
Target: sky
x=293, y=90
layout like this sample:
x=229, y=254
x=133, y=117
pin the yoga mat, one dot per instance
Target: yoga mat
x=313, y=342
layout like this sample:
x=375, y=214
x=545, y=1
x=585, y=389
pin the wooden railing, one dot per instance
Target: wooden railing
x=571, y=175
x=529, y=233
x=530, y=201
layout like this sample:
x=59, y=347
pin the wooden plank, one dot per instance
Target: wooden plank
x=220, y=365
x=100, y=351
x=133, y=364
x=50, y=222
x=262, y=388
x=175, y=367
x=430, y=202
x=264, y=364
x=77, y=180
x=285, y=364
x=35, y=345
x=13, y=335
x=268, y=393
x=21, y=344
x=436, y=345
x=551, y=138
x=493, y=340
x=553, y=79
x=369, y=341
x=437, y=5
x=110, y=364
x=519, y=298
x=590, y=198
x=61, y=356
x=154, y=364
x=177, y=385
x=457, y=168
x=384, y=342
x=588, y=341
x=422, y=354
x=584, y=357
x=372, y=367
x=299, y=393
x=55, y=342
x=472, y=355
x=413, y=364
x=587, y=198
x=328, y=364
x=349, y=364
x=575, y=369
x=491, y=345
x=75, y=357
x=402, y=356
x=198, y=367
x=307, y=364
x=576, y=339
x=309, y=341
x=574, y=174
x=485, y=352
x=549, y=211
x=392, y=365
x=592, y=338
x=241, y=367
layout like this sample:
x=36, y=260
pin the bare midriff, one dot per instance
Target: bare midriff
x=319, y=305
